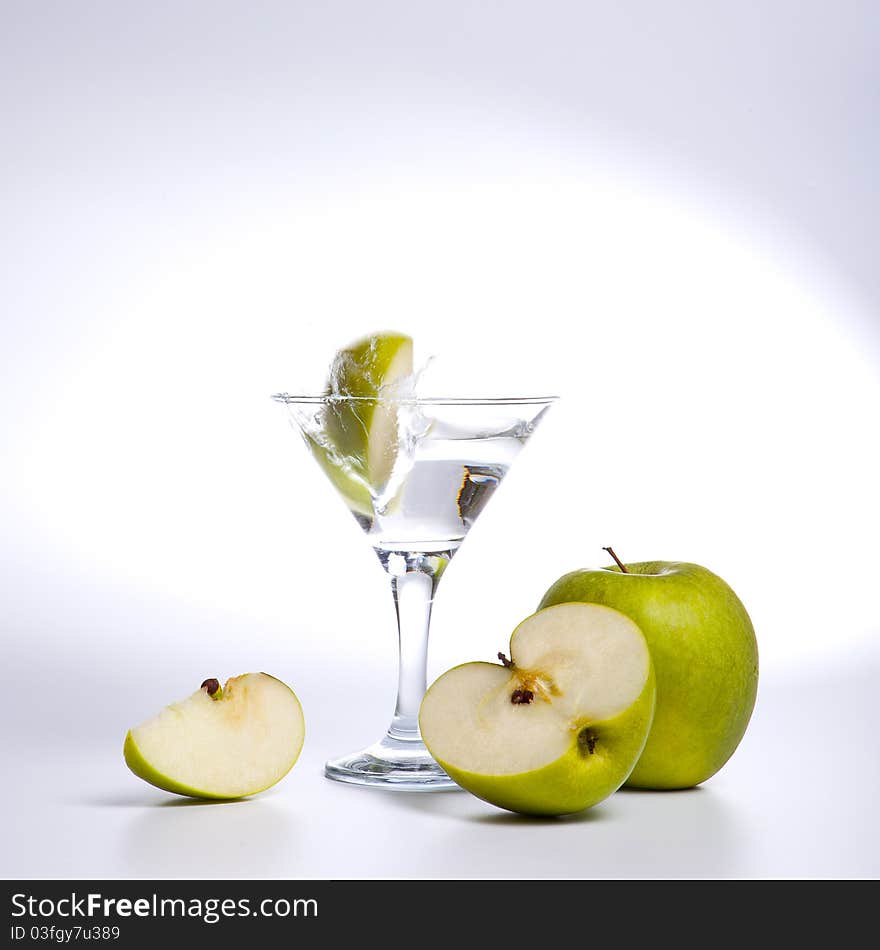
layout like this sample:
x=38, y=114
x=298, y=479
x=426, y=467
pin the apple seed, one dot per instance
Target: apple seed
x=211, y=685
x=521, y=697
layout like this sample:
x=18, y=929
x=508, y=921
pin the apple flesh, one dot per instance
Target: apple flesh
x=705, y=656
x=559, y=726
x=221, y=742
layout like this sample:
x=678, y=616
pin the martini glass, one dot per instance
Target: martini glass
x=417, y=484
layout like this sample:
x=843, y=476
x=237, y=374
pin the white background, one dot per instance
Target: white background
x=666, y=213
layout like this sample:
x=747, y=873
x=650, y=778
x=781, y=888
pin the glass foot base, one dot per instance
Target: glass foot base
x=401, y=764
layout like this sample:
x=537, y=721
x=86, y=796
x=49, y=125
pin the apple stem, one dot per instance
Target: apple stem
x=617, y=560
x=505, y=662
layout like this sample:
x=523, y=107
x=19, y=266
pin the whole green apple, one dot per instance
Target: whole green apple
x=705, y=659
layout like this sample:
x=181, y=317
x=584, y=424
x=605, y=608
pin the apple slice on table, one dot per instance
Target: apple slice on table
x=221, y=742
x=559, y=726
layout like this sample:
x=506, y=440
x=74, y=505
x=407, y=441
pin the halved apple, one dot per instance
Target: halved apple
x=221, y=742
x=556, y=728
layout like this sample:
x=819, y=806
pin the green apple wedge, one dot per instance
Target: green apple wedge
x=558, y=727
x=346, y=477
x=359, y=438
x=705, y=656
x=220, y=742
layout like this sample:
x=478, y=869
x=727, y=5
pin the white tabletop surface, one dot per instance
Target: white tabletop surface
x=797, y=800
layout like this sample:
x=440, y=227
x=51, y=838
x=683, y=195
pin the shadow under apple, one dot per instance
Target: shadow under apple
x=191, y=838
x=633, y=834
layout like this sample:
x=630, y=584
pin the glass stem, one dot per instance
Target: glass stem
x=414, y=578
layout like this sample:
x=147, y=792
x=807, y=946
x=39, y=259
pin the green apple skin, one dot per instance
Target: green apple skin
x=705, y=658
x=362, y=368
x=348, y=480
x=136, y=762
x=578, y=779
